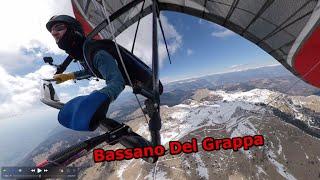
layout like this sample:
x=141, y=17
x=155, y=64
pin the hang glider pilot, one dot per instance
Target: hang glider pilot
x=83, y=113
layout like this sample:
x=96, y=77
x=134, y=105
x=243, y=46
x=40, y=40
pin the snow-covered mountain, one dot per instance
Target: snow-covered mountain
x=290, y=126
x=259, y=101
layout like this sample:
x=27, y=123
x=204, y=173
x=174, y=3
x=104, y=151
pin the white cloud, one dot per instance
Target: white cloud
x=223, y=33
x=65, y=96
x=27, y=22
x=25, y=39
x=218, y=27
x=189, y=52
x=237, y=66
x=18, y=93
x=23, y=26
x=14, y=60
x=247, y=66
x=168, y=79
x=143, y=44
x=92, y=85
x=67, y=83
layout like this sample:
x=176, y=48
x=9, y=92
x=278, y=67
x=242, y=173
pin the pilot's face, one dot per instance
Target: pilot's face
x=58, y=30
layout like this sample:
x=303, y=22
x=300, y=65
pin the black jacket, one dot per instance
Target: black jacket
x=140, y=74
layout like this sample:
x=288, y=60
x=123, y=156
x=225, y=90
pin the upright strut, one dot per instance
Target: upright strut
x=155, y=121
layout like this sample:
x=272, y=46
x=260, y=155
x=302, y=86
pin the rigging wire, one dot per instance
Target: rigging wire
x=164, y=38
x=135, y=34
x=79, y=66
x=112, y=29
x=161, y=27
x=162, y=32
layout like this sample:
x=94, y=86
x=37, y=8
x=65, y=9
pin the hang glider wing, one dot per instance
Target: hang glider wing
x=287, y=30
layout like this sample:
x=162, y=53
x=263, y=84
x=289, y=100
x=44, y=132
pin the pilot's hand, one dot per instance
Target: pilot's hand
x=60, y=78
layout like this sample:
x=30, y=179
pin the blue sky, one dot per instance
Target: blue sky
x=209, y=53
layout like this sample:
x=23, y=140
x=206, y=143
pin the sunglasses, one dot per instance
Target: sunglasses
x=58, y=27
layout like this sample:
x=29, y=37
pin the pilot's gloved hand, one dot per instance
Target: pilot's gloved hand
x=60, y=78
